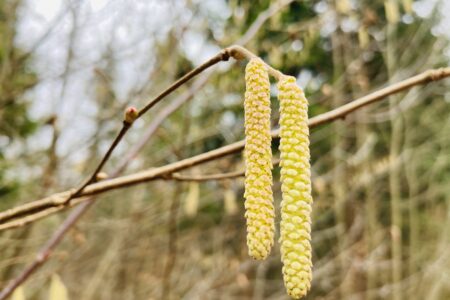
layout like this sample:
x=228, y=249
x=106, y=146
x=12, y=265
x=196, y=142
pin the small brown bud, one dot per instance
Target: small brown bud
x=131, y=114
x=101, y=176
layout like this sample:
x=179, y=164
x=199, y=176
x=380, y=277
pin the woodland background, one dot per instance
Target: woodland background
x=381, y=177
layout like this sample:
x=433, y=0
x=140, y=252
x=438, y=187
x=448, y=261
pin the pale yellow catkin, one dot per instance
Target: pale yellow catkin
x=295, y=227
x=258, y=160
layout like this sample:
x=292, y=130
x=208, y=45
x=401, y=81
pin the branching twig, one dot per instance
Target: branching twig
x=126, y=126
x=158, y=173
x=72, y=219
x=273, y=9
x=222, y=56
x=236, y=52
x=155, y=173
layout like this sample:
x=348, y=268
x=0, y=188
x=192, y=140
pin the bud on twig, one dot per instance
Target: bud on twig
x=131, y=114
x=101, y=176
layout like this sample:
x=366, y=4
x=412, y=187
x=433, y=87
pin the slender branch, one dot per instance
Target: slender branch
x=46, y=250
x=422, y=78
x=272, y=10
x=158, y=173
x=221, y=176
x=72, y=219
x=224, y=55
x=159, y=118
x=126, y=126
x=221, y=56
x=236, y=52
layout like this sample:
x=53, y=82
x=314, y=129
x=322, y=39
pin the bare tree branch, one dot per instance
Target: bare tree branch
x=273, y=9
x=72, y=219
x=237, y=52
x=165, y=171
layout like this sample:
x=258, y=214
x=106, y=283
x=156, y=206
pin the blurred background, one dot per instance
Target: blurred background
x=381, y=177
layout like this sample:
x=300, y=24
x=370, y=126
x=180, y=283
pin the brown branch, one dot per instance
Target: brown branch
x=221, y=56
x=46, y=250
x=422, y=78
x=125, y=127
x=236, y=52
x=273, y=9
x=72, y=219
x=160, y=117
x=161, y=172
x=221, y=176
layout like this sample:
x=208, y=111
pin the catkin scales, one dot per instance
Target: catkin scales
x=258, y=160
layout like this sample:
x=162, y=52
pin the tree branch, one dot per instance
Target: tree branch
x=200, y=178
x=237, y=52
x=165, y=171
x=45, y=252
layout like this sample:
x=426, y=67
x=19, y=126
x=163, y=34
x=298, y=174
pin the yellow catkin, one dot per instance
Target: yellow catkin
x=295, y=227
x=258, y=160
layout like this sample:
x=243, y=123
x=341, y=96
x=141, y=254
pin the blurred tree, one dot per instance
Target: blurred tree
x=380, y=178
x=15, y=79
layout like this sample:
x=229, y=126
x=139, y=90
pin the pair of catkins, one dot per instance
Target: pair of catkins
x=295, y=226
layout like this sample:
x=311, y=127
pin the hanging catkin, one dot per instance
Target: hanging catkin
x=295, y=228
x=258, y=160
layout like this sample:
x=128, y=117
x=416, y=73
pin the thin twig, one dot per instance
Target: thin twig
x=159, y=118
x=423, y=78
x=224, y=55
x=221, y=176
x=158, y=173
x=236, y=52
x=72, y=218
x=46, y=250
x=125, y=127
x=272, y=10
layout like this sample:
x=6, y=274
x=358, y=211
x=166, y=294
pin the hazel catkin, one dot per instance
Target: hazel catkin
x=258, y=160
x=295, y=227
